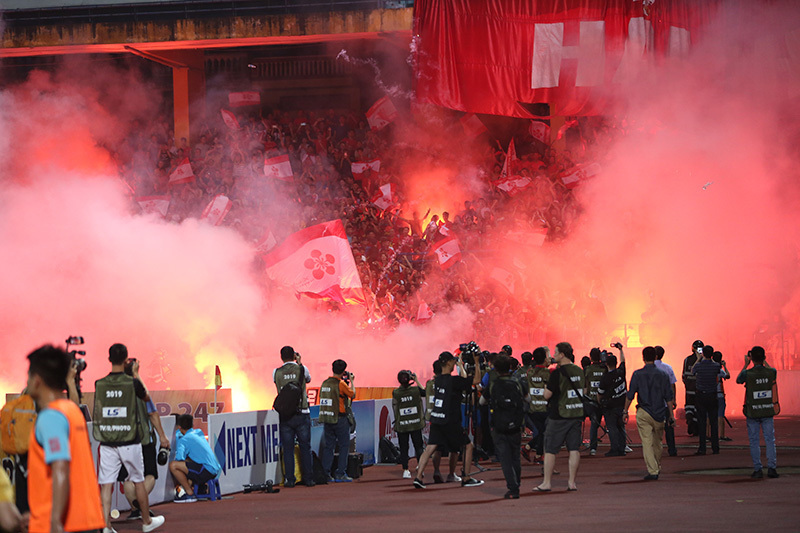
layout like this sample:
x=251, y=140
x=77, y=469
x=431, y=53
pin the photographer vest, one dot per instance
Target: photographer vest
x=493, y=375
x=408, y=409
x=429, y=394
x=758, y=401
x=593, y=373
x=291, y=373
x=570, y=404
x=329, y=401
x=120, y=418
x=537, y=382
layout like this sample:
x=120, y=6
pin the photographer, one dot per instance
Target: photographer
x=506, y=401
x=333, y=396
x=669, y=427
x=149, y=453
x=299, y=424
x=689, y=382
x=538, y=376
x=611, y=397
x=121, y=428
x=761, y=405
x=446, y=427
x=706, y=373
x=592, y=374
x=564, y=415
x=430, y=392
x=408, y=416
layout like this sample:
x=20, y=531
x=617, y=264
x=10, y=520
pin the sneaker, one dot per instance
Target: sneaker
x=343, y=479
x=453, y=478
x=472, y=482
x=288, y=484
x=437, y=478
x=186, y=498
x=726, y=439
x=418, y=483
x=651, y=477
x=310, y=483
x=628, y=449
x=136, y=514
x=406, y=474
x=757, y=474
x=592, y=452
x=511, y=495
x=155, y=522
x=330, y=479
x=109, y=530
x=771, y=472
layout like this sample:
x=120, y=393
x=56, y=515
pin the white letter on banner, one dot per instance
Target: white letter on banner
x=591, y=54
x=679, y=41
x=549, y=50
x=547, y=45
x=640, y=40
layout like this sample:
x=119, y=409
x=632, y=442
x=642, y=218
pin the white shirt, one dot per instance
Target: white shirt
x=665, y=368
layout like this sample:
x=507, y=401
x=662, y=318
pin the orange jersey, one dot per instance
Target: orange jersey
x=84, y=511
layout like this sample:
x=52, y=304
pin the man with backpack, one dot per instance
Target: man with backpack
x=506, y=403
x=295, y=419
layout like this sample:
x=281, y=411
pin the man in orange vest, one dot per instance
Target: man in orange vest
x=62, y=486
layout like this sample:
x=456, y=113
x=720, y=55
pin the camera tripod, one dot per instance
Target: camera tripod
x=471, y=418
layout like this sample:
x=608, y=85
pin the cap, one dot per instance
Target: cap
x=697, y=344
x=444, y=357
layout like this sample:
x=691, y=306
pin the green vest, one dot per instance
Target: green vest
x=329, y=401
x=758, y=401
x=537, y=382
x=430, y=392
x=493, y=375
x=570, y=404
x=288, y=373
x=119, y=416
x=593, y=374
x=407, y=409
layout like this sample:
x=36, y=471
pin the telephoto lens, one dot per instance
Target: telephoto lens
x=163, y=456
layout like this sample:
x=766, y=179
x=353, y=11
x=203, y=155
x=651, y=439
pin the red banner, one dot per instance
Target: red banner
x=494, y=56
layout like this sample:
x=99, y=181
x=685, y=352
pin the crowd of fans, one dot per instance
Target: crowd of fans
x=391, y=246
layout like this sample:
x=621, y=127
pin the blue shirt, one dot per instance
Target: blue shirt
x=654, y=391
x=52, y=433
x=707, y=372
x=193, y=446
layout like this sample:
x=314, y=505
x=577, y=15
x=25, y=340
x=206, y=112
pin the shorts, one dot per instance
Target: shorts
x=448, y=438
x=112, y=458
x=562, y=431
x=721, y=402
x=198, y=473
x=149, y=455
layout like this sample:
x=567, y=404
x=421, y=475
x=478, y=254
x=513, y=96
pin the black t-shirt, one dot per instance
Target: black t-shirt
x=454, y=389
x=554, y=386
x=612, y=388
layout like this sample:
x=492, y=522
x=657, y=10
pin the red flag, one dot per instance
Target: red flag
x=230, y=120
x=504, y=278
x=472, y=125
x=580, y=174
x=216, y=210
x=244, y=98
x=279, y=168
x=154, y=204
x=513, y=184
x=217, y=378
x=424, y=312
x=317, y=261
x=381, y=113
x=267, y=242
x=447, y=252
x=511, y=156
x=540, y=131
x=383, y=197
x=183, y=173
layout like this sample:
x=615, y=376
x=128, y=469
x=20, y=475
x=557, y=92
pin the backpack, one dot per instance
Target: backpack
x=16, y=420
x=506, y=403
x=389, y=453
x=287, y=402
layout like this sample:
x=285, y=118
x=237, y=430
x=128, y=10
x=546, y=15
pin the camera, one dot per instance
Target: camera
x=617, y=345
x=74, y=340
x=260, y=487
x=77, y=362
x=163, y=456
x=471, y=355
x=129, y=366
x=405, y=376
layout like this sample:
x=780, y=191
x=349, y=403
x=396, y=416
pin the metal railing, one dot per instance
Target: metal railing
x=164, y=10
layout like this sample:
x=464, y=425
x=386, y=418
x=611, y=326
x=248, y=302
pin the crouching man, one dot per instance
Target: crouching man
x=195, y=462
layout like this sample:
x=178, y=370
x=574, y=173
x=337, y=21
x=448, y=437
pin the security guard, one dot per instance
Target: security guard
x=760, y=406
x=408, y=416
